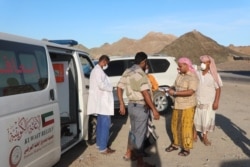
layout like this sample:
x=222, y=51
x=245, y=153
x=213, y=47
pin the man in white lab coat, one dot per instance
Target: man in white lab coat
x=101, y=103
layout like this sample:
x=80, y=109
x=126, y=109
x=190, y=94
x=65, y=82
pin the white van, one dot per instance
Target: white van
x=43, y=100
x=163, y=68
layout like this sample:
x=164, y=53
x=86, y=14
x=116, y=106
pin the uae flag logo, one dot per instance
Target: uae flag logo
x=47, y=118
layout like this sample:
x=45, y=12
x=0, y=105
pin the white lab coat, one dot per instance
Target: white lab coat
x=100, y=100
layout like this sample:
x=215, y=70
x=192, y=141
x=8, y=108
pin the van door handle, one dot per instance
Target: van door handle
x=87, y=86
x=52, y=94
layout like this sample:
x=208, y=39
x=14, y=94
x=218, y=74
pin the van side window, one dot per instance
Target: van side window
x=86, y=65
x=158, y=65
x=23, y=68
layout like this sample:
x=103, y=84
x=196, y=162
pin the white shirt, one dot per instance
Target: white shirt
x=100, y=100
x=206, y=89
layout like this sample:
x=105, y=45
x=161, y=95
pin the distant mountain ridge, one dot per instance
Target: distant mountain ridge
x=151, y=43
x=192, y=44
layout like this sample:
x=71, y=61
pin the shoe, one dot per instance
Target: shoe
x=129, y=158
x=171, y=148
x=184, y=153
x=108, y=151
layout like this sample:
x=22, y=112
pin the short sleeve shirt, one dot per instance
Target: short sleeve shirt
x=185, y=82
x=134, y=81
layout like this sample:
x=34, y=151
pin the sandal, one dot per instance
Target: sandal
x=171, y=148
x=184, y=153
x=129, y=158
x=207, y=142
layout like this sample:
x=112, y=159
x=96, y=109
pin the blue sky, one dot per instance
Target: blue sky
x=93, y=23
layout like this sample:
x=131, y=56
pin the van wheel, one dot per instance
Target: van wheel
x=160, y=100
x=92, y=130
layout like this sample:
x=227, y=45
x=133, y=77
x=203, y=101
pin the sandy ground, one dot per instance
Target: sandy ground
x=230, y=140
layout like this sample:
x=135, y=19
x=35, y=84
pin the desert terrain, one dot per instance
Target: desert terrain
x=230, y=140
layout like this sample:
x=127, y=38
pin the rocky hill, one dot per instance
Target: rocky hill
x=241, y=49
x=192, y=44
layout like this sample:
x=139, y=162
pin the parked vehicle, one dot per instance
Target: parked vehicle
x=164, y=69
x=43, y=100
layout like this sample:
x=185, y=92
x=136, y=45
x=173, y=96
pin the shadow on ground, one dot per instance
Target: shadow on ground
x=234, y=132
x=236, y=163
x=117, y=122
x=168, y=117
x=74, y=153
x=70, y=156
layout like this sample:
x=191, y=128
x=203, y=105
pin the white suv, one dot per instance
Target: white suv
x=163, y=68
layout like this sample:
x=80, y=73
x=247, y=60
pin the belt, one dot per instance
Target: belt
x=137, y=101
x=203, y=106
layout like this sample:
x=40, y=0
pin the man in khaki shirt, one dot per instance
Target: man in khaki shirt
x=184, y=106
x=138, y=90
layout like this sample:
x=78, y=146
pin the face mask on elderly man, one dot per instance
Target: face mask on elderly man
x=203, y=66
